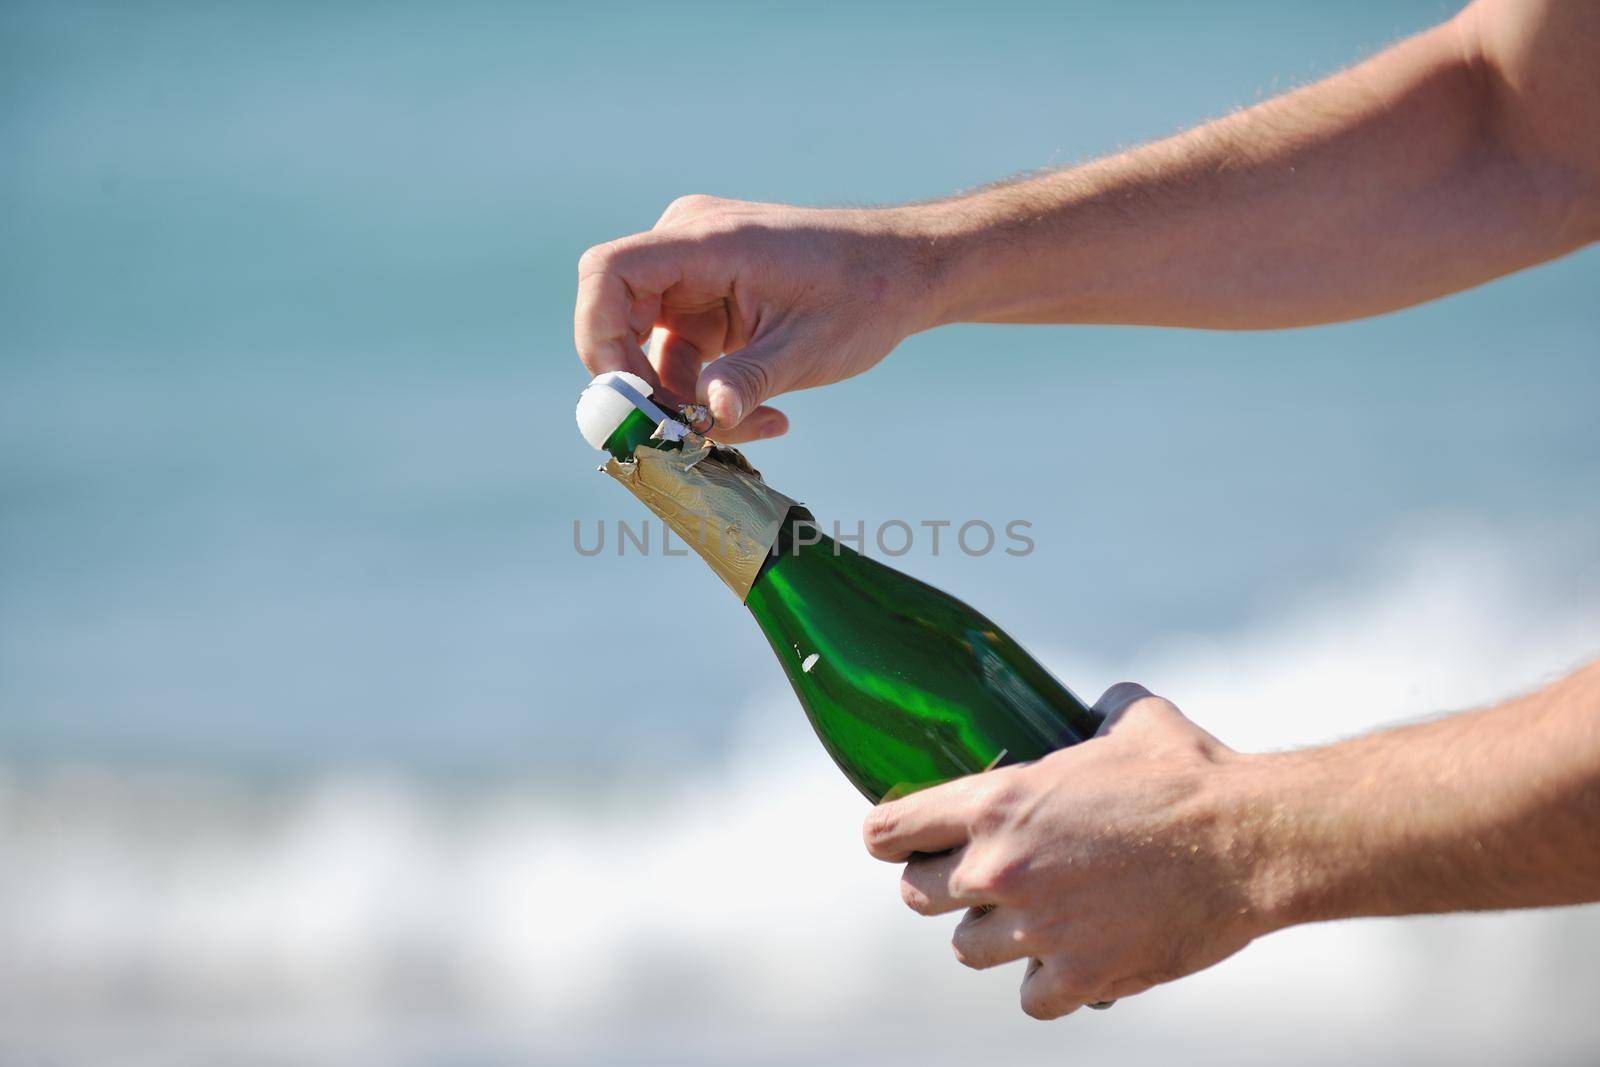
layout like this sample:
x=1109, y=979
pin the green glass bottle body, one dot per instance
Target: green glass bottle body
x=905, y=685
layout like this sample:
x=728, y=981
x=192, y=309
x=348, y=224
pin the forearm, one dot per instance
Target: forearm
x=1494, y=809
x=1383, y=186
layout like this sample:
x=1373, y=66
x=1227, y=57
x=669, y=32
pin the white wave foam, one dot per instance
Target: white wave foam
x=735, y=917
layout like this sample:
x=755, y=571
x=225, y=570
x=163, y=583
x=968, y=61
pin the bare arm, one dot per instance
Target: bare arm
x=1495, y=809
x=1464, y=153
x=1437, y=165
x=1154, y=851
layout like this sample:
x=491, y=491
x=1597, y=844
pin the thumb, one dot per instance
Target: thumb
x=1154, y=723
x=1129, y=707
x=735, y=385
x=1116, y=701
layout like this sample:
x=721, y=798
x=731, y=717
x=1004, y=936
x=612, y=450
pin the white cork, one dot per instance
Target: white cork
x=601, y=409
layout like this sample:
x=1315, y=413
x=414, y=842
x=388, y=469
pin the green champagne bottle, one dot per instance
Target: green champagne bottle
x=905, y=686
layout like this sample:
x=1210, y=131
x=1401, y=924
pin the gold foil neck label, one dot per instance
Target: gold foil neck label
x=710, y=496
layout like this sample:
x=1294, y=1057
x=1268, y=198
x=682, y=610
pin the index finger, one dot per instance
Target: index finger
x=604, y=338
x=932, y=820
x=619, y=300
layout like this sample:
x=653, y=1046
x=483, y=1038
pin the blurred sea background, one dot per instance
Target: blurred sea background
x=320, y=743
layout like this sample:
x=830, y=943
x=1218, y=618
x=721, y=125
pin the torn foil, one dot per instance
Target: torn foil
x=712, y=498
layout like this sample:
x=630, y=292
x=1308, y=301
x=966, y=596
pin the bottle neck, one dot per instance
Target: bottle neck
x=711, y=498
x=635, y=430
x=801, y=538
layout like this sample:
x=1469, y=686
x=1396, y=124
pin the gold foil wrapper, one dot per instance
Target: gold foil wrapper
x=712, y=498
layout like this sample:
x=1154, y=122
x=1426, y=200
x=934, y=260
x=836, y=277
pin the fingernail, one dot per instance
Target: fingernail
x=725, y=403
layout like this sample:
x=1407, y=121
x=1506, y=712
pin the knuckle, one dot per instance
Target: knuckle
x=988, y=817
x=598, y=259
x=692, y=204
x=1006, y=877
x=993, y=878
x=981, y=879
x=996, y=801
x=969, y=881
x=879, y=824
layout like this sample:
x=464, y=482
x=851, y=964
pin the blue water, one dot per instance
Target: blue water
x=286, y=455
